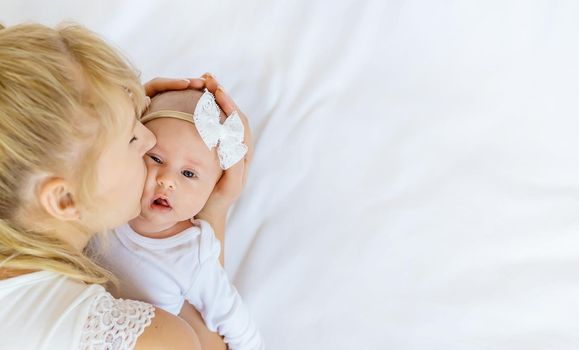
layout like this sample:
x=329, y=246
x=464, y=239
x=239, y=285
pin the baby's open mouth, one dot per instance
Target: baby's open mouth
x=161, y=203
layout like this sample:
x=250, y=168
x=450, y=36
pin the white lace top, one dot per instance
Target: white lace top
x=115, y=323
x=45, y=310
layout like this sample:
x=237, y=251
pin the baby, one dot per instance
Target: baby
x=164, y=256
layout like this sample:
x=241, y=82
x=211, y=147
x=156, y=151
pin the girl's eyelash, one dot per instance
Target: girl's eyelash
x=155, y=159
x=133, y=139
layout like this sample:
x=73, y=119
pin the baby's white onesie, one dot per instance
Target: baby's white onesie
x=166, y=272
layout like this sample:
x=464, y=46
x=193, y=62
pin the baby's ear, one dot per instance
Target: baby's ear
x=147, y=102
x=147, y=109
x=56, y=198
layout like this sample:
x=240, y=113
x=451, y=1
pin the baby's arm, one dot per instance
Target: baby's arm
x=217, y=299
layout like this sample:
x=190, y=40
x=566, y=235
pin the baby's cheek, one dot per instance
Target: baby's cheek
x=191, y=206
x=198, y=198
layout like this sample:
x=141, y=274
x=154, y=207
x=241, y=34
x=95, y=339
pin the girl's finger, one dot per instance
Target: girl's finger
x=158, y=85
x=197, y=83
x=225, y=102
x=210, y=82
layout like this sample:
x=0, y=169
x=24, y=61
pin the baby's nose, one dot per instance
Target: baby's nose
x=166, y=183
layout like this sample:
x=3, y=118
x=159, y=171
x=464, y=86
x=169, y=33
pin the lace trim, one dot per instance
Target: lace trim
x=115, y=324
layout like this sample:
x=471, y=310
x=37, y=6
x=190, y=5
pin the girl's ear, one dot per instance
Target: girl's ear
x=56, y=198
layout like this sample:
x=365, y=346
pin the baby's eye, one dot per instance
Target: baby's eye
x=188, y=173
x=155, y=159
x=133, y=139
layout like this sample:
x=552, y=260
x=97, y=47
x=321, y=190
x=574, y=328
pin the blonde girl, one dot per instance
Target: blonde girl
x=71, y=148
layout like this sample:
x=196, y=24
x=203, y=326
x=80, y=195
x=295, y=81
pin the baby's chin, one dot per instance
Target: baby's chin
x=162, y=217
x=148, y=215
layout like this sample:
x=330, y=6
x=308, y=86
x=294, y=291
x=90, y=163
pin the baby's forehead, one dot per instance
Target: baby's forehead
x=175, y=131
x=179, y=138
x=181, y=101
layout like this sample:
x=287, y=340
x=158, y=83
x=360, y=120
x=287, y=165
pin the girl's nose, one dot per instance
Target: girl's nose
x=149, y=140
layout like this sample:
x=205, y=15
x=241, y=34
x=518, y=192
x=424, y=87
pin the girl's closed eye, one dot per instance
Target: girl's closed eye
x=133, y=139
x=189, y=174
x=155, y=159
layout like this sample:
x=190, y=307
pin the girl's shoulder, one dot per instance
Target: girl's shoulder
x=66, y=314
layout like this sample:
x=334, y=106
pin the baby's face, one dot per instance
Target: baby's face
x=182, y=172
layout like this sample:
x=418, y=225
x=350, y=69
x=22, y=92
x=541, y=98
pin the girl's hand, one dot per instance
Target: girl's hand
x=231, y=184
x=159, y=85
x=229, y=187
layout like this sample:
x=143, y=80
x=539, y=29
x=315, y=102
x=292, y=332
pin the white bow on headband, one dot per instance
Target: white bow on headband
x=228, y=137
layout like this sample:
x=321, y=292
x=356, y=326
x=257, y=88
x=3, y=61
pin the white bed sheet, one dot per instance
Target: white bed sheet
x=415, y=182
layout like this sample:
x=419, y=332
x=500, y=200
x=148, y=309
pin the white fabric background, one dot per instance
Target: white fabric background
x=416, y=179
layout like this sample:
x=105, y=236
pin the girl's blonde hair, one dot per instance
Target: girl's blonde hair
x=54, y=85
